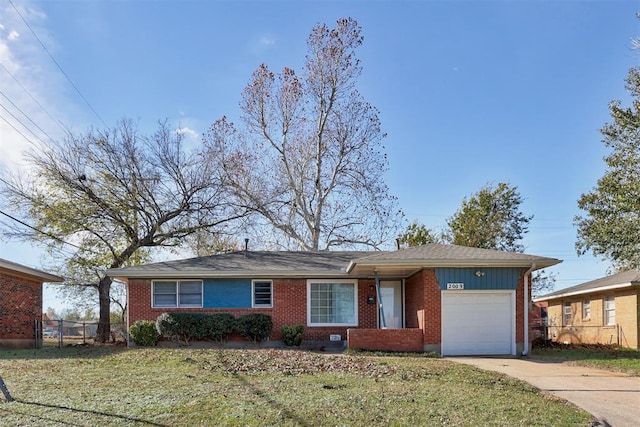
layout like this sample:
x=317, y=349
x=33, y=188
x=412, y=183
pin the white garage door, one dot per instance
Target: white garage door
x=478, y=323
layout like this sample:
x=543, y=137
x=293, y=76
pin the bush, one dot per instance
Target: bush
x=144, y=333
x=292, y=334
x=196, y=326
x=256, y=326
x=181, y=326
x=219, y=326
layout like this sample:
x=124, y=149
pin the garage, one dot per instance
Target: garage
x=478, y=323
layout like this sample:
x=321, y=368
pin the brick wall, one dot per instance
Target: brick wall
x=385, y=339
x=20, y=306
x=289, y=308
x=423, y=303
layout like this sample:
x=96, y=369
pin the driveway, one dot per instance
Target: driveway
x=612, y=398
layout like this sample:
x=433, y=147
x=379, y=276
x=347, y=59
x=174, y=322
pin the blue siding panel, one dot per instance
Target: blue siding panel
x=490, y=278
x=227, y=293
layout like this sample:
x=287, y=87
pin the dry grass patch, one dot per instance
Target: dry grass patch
x=166, y=387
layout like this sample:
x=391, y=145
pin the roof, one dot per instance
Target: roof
x=249, y=263
x=401, y=263
x=16, y=269
x=620, y=280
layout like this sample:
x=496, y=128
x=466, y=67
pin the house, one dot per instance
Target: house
x=449, y=299
x=21, y=304
x=606, y=311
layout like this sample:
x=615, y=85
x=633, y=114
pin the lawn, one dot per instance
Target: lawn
x=93, y=386
x=606, y=357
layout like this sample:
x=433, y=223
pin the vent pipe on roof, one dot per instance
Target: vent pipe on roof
x=246, y=246
x=397, y=243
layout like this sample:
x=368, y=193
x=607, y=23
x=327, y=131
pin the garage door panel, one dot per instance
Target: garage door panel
x=477, y=323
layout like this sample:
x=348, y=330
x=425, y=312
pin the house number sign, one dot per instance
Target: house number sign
x=455, y=286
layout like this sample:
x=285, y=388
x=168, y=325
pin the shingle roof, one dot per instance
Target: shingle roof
x=285, y=263
x=15, y=268
x=328, y=263
x=440, y=252
x=619, y=280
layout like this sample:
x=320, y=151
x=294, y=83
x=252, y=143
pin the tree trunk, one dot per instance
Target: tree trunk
x=103, y=334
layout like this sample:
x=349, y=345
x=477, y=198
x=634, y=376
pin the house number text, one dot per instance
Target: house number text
x=455, y=286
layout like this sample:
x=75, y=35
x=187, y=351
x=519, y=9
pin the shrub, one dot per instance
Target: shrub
x=144, y=333
x=181, y=326
x=219, y=326
x=292, y=334
x=255, y=326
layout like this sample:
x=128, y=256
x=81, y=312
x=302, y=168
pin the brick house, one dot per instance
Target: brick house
x=20, y=303
x=605, y=311
x=443, y=298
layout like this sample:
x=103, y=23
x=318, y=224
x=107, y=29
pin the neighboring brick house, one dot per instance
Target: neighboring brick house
x=20, y=303
x=605, y=311
x=443, y=298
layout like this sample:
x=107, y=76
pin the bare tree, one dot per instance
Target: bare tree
x=309, y=158
x=114, y=194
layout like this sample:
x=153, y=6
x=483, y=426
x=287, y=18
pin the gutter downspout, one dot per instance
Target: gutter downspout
x=525, y=298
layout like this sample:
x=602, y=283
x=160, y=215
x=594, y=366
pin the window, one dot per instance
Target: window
x=262, y=293
x=610, y=310
x=586, y=308
x=566, y=314
x=332, y=303
x=177, y=293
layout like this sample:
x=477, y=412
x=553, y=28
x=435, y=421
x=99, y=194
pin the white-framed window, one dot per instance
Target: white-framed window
x=176, y=293
x=566, y=314
x=261, y=293
x=586, y=308
x=332, y=302
x=610, y=310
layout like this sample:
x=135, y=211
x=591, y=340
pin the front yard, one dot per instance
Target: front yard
x=599, y=356
x=92, y=386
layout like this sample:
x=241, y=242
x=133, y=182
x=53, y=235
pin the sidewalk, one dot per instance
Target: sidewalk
x=612, y=398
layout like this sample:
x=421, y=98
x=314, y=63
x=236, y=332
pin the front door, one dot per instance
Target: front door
x=391, y=299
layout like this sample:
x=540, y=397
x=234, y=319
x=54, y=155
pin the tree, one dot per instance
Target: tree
x=610, y=227
x=308, y=159
x=542, y=282
x=111, y=196
x=417, y=234
x=490, y=219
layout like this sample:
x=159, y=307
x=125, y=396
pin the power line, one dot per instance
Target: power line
x=18, y=130
x=32, y=97
x=28, y=118
x=39, y=231
x=57, y=64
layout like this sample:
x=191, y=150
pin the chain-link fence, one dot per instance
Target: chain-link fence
x=60, y=332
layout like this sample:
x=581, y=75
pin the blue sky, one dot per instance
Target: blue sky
x=470, y=93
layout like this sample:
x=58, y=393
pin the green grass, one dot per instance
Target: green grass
x=167, y=387
x=597, y=356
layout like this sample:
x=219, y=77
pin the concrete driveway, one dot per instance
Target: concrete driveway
x=612, y=398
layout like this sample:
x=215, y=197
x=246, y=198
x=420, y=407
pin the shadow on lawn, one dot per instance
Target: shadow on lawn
x=70, y=352
x=84, y=411
x=263, y=395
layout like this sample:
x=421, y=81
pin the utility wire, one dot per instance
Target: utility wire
x=27, y=116
x=33, y=97
x=23, y=125
x=18, y=130
x=57, y=64
x=39, y=231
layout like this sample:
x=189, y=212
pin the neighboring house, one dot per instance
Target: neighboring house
x=20, y=303
x=449, y=299
x=605, y=311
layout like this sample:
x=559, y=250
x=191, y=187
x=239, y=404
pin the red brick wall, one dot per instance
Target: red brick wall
x=20, y=306
x=424, y=304
x=385, y=339
x=289, y=308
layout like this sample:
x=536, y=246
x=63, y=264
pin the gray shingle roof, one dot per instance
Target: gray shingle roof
x=328, y=263
x=285, y=263
x=15, y=268
x=625, y=278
